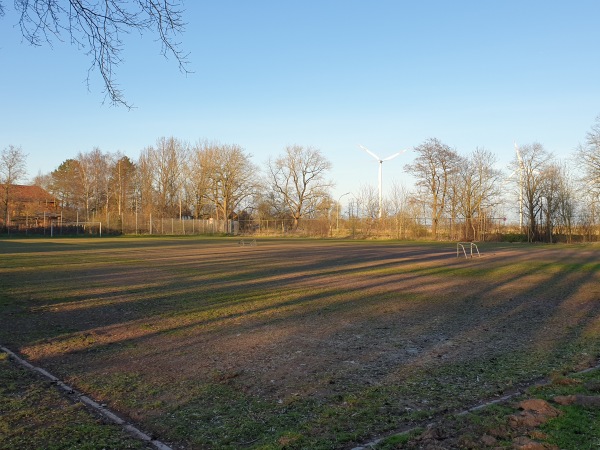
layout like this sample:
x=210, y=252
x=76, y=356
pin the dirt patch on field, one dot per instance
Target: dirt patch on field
x=403, y=332
x=526, y=422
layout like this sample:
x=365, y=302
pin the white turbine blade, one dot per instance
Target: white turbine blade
x=394, y=155
x=370, y=153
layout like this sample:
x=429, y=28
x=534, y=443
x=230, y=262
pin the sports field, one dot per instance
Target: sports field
x=295, y=343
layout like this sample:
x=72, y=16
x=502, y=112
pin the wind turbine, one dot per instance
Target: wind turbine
x=520, y=187
x=520, y=169
x=380, y=171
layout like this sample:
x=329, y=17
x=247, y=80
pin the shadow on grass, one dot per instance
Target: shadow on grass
x=320, y=344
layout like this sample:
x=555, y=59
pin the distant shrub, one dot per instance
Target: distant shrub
x=514, y=237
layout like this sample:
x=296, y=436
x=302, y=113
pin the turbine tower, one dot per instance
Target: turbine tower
x=520, y=187
x=380, y=171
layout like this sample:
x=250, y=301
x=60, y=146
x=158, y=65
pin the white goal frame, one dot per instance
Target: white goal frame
x=462, y=245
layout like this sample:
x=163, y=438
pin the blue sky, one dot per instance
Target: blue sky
x=328, y=74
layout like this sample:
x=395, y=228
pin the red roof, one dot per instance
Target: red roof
x=29, y=194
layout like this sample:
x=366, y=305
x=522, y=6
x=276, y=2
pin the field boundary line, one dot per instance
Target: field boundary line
x=505, y=398
x=86, y=400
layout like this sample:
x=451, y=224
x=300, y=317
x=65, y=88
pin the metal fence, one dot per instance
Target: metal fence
x=401, y=228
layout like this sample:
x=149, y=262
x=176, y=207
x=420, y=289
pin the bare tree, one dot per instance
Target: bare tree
x=43, y=180
x=12, y=169
x=232, y=178
x=122, y=176
x=558, y=200
x=398, y=208
x=298, y=179
x=166, y=162
x=144, y=189
x=588, y=156
x=367, y=208
x=85, y=172
x=550, y=194
x=432, y=168
x=94, y=174
x=367, y=202
x=531, y=162
x=588, y=159
x=477, y=189
x=198, y=171
x=98, y=27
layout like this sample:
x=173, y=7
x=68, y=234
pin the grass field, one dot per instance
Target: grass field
x=291, y=343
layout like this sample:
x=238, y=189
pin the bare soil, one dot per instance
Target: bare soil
x=307, y=321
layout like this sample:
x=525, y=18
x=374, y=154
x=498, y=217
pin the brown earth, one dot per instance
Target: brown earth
x=284, y=321
x=518, y=431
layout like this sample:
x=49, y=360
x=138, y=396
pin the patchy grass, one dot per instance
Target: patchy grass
x=295, y=344
x=576, y=428
x=34, y=415
x=579, y=426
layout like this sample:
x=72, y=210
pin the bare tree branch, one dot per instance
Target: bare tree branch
x=298, y=179
x=588, y=157
x=12, y=169
x=434, y=165
x=97, y=28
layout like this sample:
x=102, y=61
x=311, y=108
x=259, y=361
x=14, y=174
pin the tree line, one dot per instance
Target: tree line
x=174, y=179
x=209, y=180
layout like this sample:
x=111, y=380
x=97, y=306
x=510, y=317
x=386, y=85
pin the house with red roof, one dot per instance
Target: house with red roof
x=31, y=205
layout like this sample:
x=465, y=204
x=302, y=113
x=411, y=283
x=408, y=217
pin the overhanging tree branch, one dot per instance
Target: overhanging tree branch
x=97, y=28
